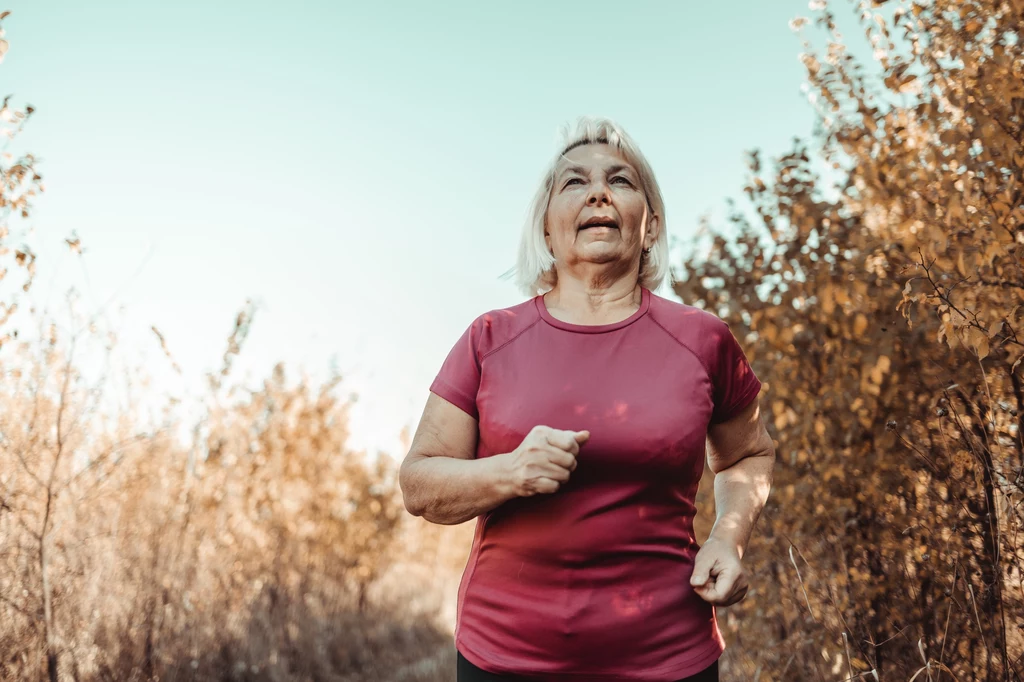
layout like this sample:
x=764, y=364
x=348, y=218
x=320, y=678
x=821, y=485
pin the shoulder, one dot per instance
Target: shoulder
x=685, y=322
x=702, y=333
x=496, y=328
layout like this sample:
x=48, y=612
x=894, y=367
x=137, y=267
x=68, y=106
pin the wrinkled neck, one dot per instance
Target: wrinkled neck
x=589, y=302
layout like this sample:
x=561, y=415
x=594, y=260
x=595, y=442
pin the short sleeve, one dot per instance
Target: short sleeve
x=735, y=384
x=459, y=378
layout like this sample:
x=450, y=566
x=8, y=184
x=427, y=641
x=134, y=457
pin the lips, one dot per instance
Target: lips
x=599, y=221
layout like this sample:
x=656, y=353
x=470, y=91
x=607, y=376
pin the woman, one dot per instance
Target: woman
x=573, y=426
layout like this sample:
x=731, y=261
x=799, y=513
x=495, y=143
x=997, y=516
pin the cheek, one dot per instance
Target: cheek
x=561, y=216
x=632, y=211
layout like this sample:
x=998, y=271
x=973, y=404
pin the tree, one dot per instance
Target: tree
x=46, y=407
x=20, y=183
x=885, y=316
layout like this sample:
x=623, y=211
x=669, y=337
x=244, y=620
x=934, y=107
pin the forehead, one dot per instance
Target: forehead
x=595, y=155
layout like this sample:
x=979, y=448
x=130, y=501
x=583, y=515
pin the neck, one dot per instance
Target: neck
x=588, y=302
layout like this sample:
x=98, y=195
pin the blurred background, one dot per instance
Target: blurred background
x=237, y=240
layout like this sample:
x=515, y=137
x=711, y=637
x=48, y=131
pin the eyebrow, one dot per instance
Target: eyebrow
x=580, y=170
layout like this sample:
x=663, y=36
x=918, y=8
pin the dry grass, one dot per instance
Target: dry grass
x=264, y=550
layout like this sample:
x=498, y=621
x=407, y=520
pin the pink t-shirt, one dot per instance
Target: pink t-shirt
x=593, y=582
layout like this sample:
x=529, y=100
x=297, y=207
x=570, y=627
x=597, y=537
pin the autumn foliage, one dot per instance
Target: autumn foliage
x=875, y=276
x=250, y=553
x=885, y=313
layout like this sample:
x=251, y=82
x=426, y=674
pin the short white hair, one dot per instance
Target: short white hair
x=535, y=266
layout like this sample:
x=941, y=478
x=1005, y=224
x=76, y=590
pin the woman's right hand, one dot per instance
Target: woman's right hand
x=544, y=460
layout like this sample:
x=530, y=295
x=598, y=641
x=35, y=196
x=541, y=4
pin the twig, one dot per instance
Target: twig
x=807, y=599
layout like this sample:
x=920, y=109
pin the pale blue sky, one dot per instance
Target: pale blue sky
x=360, y=169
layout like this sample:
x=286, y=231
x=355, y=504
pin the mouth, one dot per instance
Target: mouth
x=599, y=221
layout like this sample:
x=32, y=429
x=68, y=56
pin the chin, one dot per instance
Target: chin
x=591, y=257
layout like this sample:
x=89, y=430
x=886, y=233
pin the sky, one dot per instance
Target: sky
x=359, y=170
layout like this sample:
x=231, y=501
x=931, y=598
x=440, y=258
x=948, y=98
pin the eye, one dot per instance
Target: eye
x=572, y=180
x=623, y=178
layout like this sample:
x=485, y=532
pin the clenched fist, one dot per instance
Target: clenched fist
x=718, y=575
x=544, y=460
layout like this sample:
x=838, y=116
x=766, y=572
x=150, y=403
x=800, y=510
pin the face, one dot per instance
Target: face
x=598, y=212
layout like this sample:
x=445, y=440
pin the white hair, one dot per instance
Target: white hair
x=535, y=266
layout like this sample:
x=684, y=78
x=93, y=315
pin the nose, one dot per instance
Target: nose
x=599, y=194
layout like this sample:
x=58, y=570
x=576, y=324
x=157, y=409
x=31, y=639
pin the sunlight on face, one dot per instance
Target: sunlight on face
x=597, y=212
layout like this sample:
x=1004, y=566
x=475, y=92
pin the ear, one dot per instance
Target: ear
x=653, y=230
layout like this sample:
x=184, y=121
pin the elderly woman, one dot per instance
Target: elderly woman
x=573, y=428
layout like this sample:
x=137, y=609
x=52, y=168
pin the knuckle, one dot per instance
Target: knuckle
x=535, y=436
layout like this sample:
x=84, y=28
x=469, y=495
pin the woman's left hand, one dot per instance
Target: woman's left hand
x=718, y=576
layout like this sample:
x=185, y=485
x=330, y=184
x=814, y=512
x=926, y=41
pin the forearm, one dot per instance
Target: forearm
x=449, y=491
x=740, y=494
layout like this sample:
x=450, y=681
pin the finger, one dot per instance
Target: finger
x=722, y=598
x=710, y=592
x=707, y=593
x=546, y=486
x=582, y=437
x=543, y=468
x=726, y=579
x=556, y=473
x=702, y=567
x=563, y=460
x=563, y=440
x=725, y=586
x=736, y=597
x=739, y=589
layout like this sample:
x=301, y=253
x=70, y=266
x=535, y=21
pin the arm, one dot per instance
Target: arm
x=440, y=479
x=442, y=482
x=742, y=456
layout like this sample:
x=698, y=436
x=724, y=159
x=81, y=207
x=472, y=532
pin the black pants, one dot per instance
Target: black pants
x=467, y=672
